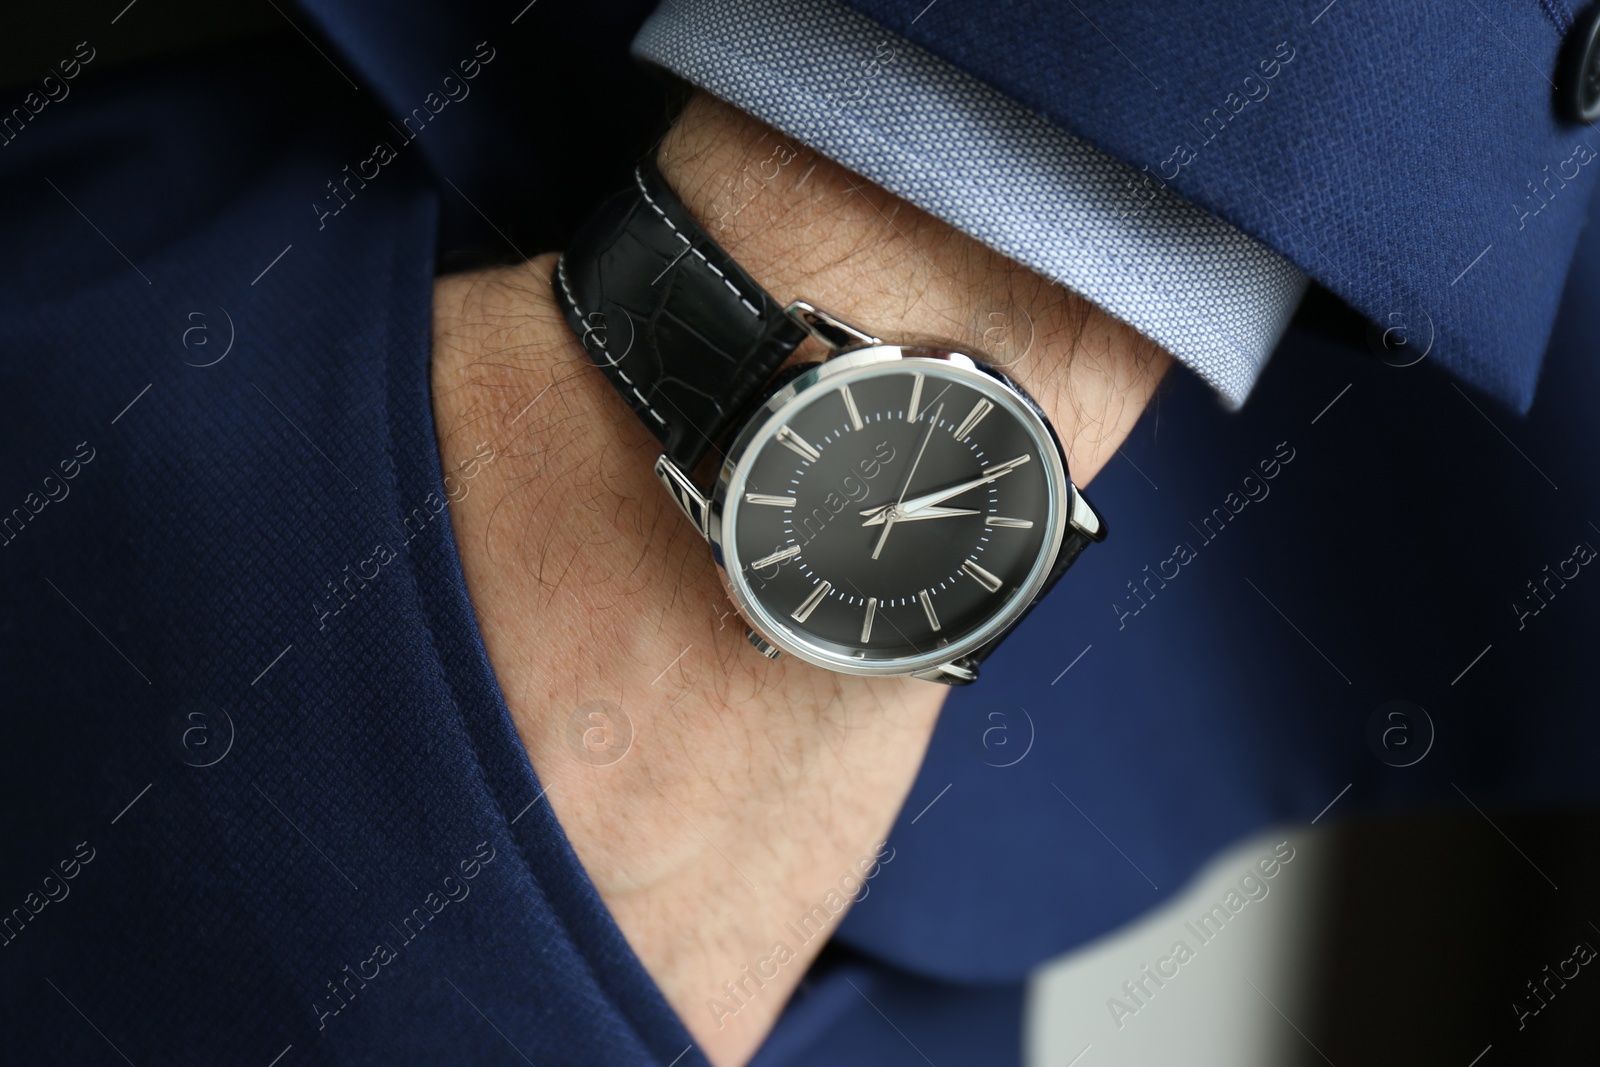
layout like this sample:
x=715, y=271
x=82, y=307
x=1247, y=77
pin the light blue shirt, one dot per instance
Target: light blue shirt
x=1215, y=298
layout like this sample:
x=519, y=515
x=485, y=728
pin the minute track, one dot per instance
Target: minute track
x=940, y=573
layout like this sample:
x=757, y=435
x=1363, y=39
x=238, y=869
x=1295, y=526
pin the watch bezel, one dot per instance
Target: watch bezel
x=773, y=412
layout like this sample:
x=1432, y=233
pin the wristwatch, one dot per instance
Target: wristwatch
x=893, y=509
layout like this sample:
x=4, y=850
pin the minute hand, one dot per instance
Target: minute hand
x=938, y=496
x=922, y=513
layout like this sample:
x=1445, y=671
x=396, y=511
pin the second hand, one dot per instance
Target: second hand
x=893, y=513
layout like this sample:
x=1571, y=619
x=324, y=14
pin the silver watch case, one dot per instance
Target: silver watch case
x=857, y=354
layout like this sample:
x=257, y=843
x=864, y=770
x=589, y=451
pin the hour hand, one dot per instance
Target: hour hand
x=880, y=515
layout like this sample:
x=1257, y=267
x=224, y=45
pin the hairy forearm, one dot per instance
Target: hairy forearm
x=809, y=228
x=751, y=788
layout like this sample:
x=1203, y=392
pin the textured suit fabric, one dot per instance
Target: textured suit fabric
x=258, y=774
x=1400, y=160
x=244, y=674
x=1138, y=724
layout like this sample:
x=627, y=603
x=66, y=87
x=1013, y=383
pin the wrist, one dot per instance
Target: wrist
x=807, y=228
x=594, y=593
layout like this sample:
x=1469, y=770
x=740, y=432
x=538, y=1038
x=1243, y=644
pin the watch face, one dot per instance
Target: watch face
x=890, y=510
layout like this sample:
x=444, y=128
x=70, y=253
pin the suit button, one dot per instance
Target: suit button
x=1580, y=76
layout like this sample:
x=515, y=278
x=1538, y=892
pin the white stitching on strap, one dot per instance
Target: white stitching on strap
x=611, y=361
x=638, y=178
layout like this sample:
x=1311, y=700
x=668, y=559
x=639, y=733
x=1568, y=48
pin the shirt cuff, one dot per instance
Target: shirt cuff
x=1215, y=298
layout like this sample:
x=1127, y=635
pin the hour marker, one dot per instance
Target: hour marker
x=981, y=576
x=916, y=397
x=927, y=609
x=1015, y=524
x=773, y=501
x=776, y=558
x=809, y=604
x=866, y=625
x=975, y=416
x=799, y=444
x=850, y=406
x=1010, y=464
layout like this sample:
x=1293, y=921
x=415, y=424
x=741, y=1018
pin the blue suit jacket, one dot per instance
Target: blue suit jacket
x=249, y=827
x=1400, y=145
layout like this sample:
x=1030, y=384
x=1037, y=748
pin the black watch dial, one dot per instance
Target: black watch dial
x=894, y=512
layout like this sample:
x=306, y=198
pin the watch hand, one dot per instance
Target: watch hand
x=912, y=473
x=891, y=514
x=910, y=507
x=907, y=484
x=922, y=513
x=888, y=524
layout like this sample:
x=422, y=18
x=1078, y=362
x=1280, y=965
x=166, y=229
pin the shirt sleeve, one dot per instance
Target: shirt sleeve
x=1214, y=297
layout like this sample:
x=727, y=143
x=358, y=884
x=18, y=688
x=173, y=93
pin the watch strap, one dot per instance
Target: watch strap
x=684, y=334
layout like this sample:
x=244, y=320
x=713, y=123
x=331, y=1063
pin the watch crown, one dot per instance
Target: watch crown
x=762, y=645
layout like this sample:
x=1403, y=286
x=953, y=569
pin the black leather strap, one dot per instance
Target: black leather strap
x=686, y=336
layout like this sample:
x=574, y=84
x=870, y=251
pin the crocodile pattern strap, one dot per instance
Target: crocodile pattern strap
x=686, y=336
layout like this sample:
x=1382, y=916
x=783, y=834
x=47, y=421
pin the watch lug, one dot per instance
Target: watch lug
x=957, y=672
x=1084, y=518
x=690, y=499
x=831, y=331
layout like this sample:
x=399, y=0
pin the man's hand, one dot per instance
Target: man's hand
x=748, y=791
